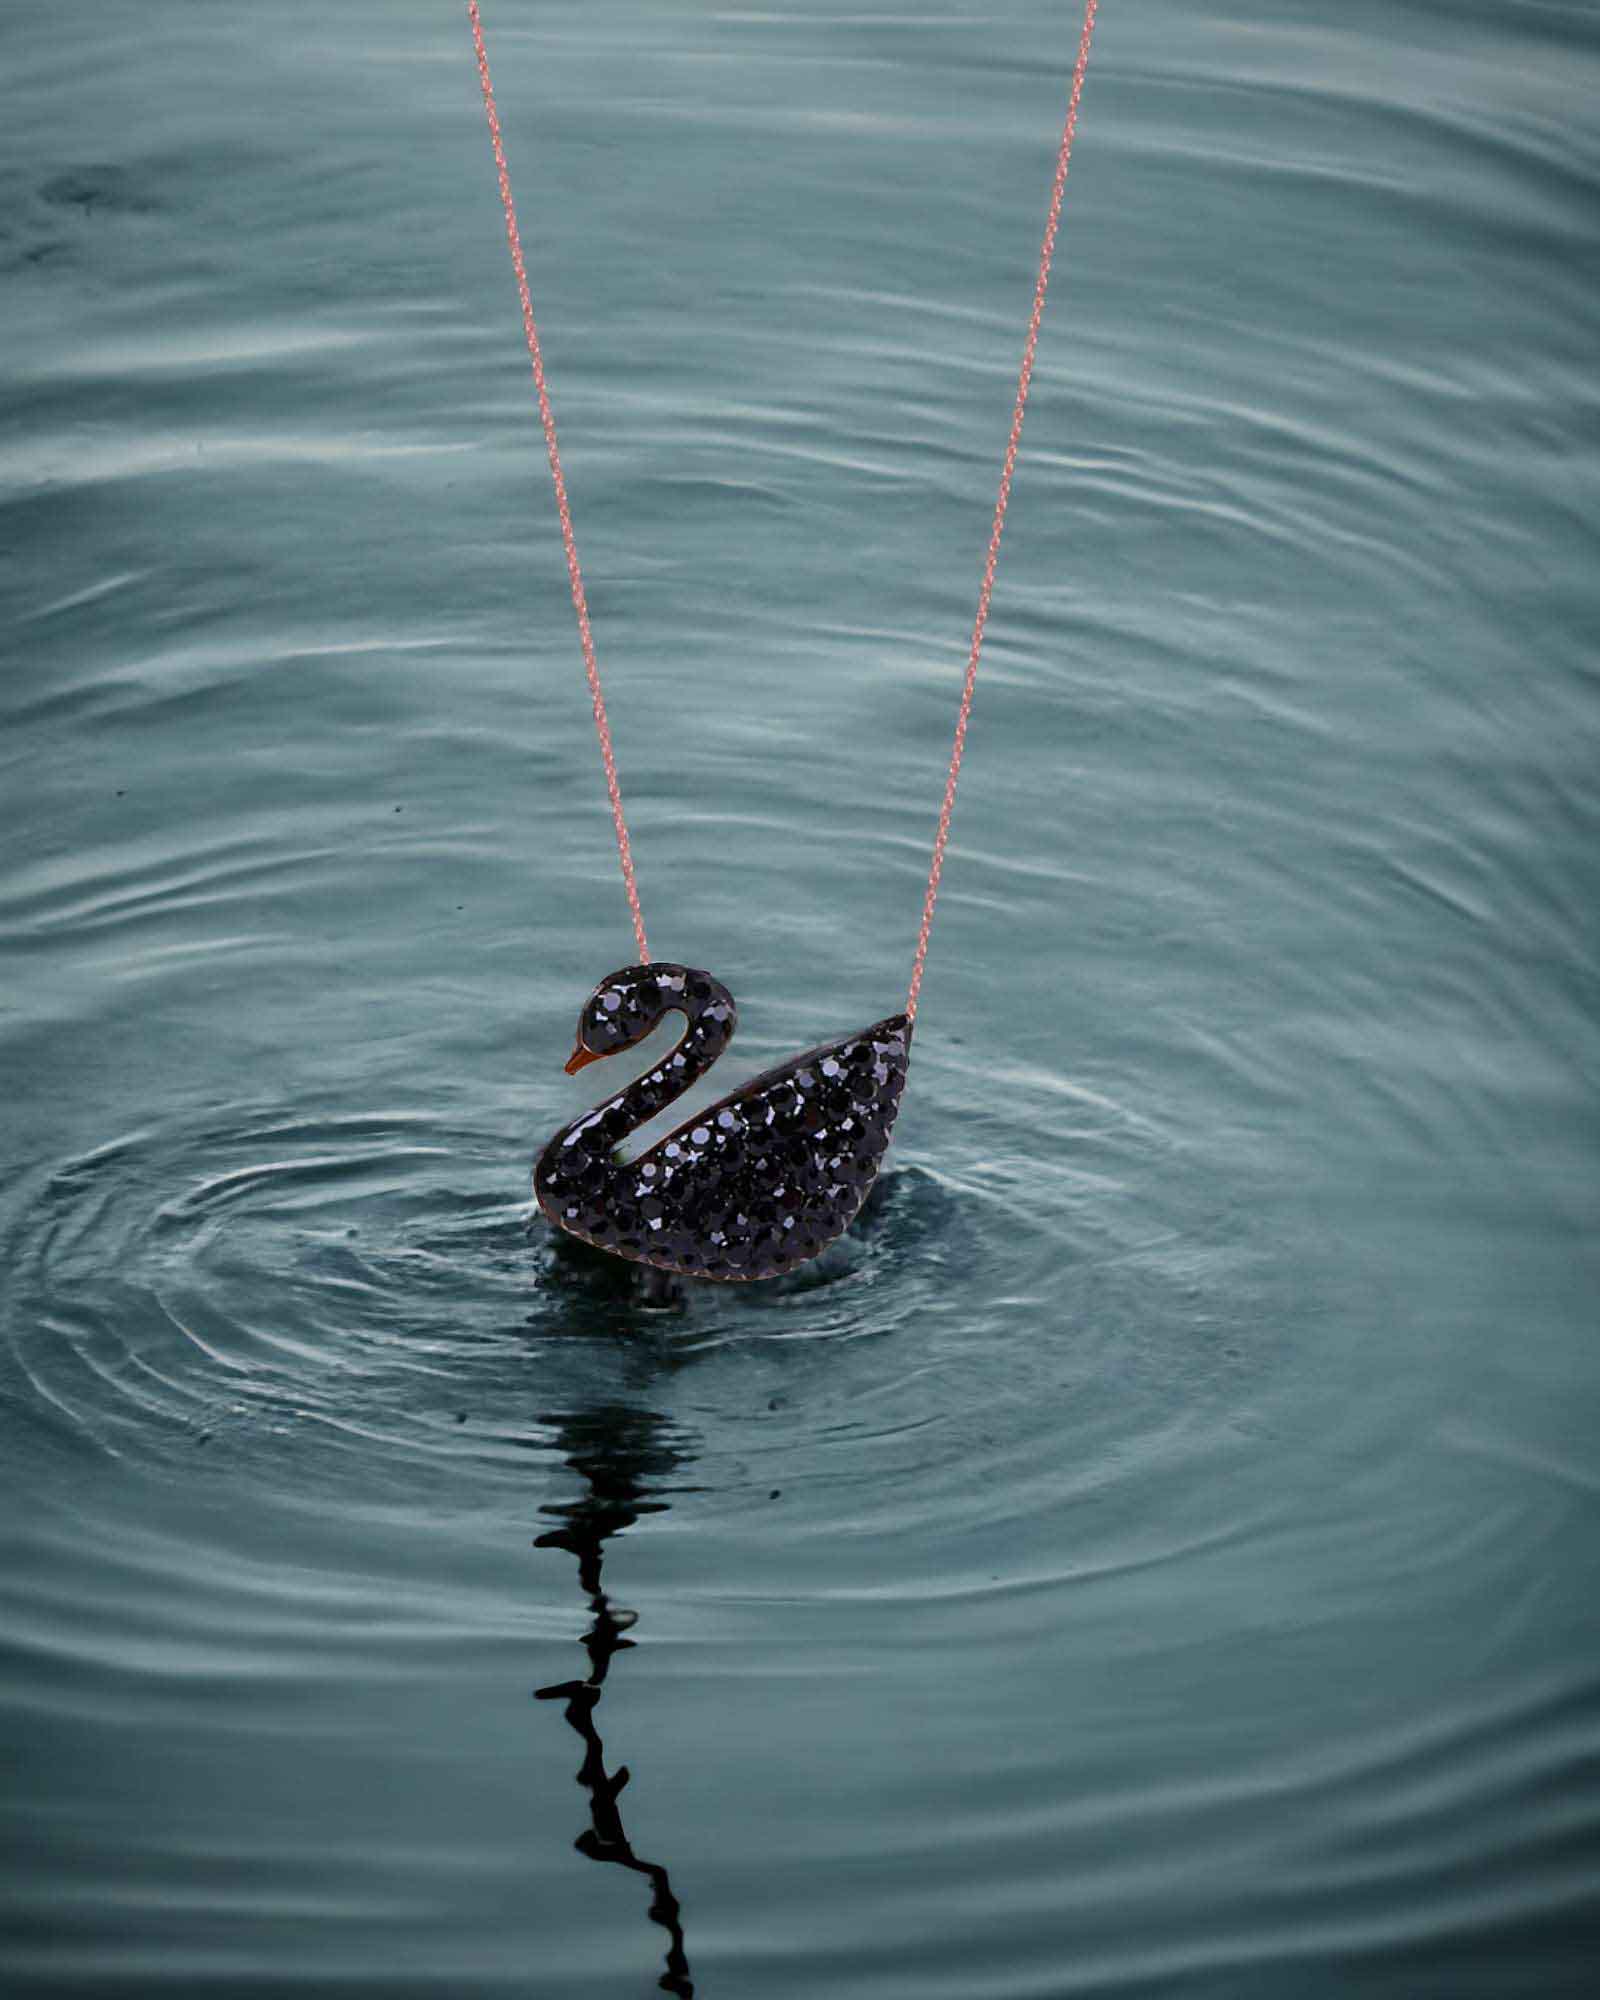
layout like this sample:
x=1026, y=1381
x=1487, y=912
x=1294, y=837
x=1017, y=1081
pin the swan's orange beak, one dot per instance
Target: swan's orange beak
x=580, y=1059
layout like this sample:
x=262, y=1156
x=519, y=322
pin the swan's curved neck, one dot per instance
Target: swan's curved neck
x=708, y=1009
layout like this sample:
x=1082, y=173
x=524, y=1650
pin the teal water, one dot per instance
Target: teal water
x=1156, y=1555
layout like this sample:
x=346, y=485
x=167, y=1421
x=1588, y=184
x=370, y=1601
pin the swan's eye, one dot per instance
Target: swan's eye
x=604, y=1025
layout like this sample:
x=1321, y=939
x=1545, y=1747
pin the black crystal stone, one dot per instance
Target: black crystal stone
x=750, y=1187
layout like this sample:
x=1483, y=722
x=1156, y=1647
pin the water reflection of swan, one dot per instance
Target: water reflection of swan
x=617, y=1452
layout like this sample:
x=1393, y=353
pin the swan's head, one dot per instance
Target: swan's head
x=620, y=1011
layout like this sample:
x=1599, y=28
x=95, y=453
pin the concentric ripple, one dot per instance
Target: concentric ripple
x=371, y=1297
x=310, y=1289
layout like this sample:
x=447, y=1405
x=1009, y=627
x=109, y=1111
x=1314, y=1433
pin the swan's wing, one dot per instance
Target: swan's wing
x=765, y=1177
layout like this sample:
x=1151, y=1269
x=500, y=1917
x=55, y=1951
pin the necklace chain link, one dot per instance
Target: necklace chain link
x=991, y=560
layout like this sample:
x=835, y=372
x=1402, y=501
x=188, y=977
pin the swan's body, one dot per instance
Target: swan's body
x=754, y=1184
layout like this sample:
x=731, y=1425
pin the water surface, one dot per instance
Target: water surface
x=1155, y=1554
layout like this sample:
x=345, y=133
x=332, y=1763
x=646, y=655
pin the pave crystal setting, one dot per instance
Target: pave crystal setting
x=753, y=1185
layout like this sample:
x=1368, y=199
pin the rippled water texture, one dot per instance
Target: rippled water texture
x=1154, y=1554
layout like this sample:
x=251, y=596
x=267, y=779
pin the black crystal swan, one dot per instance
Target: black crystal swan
x=751, y=1186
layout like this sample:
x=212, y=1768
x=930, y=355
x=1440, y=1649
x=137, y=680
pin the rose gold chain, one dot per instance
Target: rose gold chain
x=941, y=838
x=991, y=560
x=580, y=602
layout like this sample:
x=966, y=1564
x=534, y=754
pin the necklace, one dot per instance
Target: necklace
x=771, y=1174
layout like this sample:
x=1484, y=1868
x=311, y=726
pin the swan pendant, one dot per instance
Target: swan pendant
x=757, y=1182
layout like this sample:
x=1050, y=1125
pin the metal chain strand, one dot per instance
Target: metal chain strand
x=986, y=591
x=991, y=560
x=546, y=417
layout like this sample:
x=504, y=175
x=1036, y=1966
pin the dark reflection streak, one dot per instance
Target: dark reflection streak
x=615, y=1451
